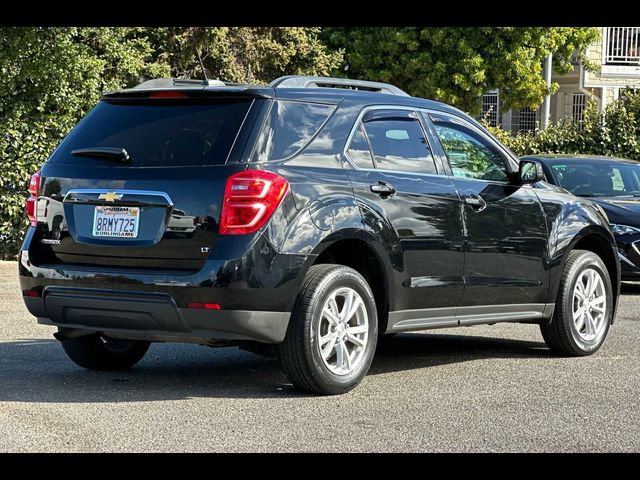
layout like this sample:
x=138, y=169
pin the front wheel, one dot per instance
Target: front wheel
x=584, y=308
x=331, y=338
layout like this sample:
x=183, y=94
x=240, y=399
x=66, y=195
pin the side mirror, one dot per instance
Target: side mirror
x=530, y=172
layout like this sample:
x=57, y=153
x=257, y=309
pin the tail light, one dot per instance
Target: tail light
x=32, y=201
x=250, y=198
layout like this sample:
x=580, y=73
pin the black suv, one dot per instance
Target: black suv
x=314, y=213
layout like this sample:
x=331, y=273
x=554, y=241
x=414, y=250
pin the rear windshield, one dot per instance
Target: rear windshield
x=158, y=134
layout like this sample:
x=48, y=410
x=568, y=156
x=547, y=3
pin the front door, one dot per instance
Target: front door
x=505, y=228
x=405, y=199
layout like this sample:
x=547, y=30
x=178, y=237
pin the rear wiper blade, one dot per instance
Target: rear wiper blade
x=103, y=153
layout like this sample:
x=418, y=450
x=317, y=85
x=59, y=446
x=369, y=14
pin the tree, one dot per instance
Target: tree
x=49, y=78
x=245, y=54
x=457, y=65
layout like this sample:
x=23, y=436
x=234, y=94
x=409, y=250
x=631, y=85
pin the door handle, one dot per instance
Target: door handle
x=476, y=202
x=383, y=189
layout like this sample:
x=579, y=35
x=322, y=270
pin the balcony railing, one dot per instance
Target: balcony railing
x=622, y=45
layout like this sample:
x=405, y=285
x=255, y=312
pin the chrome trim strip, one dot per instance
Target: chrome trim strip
x=122, y=192
x=429, y=318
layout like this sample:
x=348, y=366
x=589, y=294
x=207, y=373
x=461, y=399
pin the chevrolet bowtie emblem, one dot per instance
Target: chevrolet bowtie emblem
x=110, y=196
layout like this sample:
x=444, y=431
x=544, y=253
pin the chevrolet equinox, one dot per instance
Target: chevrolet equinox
x=315, y=214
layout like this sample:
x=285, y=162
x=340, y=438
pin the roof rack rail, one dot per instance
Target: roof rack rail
x=301, y=81
x=176, y=82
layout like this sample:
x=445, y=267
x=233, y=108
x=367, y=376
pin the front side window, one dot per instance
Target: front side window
x=469, y=154
x=399, y=144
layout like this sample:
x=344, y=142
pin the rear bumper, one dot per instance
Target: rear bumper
x=152, y=316
x=256, y=291
x=255, y=278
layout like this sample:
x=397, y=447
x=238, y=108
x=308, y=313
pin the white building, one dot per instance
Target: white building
x=618, y=55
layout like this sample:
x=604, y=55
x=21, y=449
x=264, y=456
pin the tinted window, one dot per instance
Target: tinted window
x=359, y=152
x=290, y=127
x=598, y=178
x=155, y=134
x=470, y=155
x=400, y=145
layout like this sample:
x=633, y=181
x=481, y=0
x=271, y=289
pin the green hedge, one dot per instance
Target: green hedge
x=614, y=132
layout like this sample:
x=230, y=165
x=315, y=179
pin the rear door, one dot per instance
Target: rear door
x=161, y=208
x=505, y=228
x=405, y=199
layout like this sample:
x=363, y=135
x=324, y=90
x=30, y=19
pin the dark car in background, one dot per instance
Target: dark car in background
x=315, y=214
x=612, y=183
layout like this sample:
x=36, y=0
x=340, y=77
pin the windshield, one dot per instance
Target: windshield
x=598, y=178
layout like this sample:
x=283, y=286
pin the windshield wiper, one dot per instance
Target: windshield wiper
x=103, y=153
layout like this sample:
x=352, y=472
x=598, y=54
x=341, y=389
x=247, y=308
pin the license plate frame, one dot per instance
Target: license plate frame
x=116, y=222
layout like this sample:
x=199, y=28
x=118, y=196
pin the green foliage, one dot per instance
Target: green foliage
x=457, y=65
x=245, y=54
x=614, y=132
x=51, y=77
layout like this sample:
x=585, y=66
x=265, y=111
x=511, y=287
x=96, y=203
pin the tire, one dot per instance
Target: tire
x=566, y=336
x=300, y=352
x=56, y=230
x=95, y=352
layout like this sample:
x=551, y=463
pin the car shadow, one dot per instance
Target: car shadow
x=39, y=371
x=627, y=288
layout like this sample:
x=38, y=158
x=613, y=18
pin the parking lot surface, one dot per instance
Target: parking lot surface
x=483, y=388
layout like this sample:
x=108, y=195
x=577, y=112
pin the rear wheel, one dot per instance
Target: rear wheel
x=96, y=352
x=331, y=338
x=584, y=307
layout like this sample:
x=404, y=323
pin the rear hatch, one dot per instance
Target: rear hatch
x=139, y=182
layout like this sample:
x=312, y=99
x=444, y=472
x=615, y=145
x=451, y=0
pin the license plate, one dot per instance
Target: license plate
x=120, y=222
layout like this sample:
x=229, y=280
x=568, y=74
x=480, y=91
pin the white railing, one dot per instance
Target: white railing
x=622, y=46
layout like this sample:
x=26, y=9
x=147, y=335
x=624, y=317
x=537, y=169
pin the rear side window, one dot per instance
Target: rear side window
x=358, y=151
x=400, y=145
x=290, y=126
x=158, y=134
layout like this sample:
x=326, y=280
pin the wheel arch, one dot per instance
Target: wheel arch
x=598, y=240
x=360, y=251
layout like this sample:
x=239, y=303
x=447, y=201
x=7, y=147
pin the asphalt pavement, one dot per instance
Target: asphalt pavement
x=482, y=388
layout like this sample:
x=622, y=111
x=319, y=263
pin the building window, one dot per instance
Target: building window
x=490, y=108
x=578, y=106
x=623, y=45
x=524, y=120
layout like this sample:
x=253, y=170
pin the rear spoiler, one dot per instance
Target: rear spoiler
x=189, y=91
